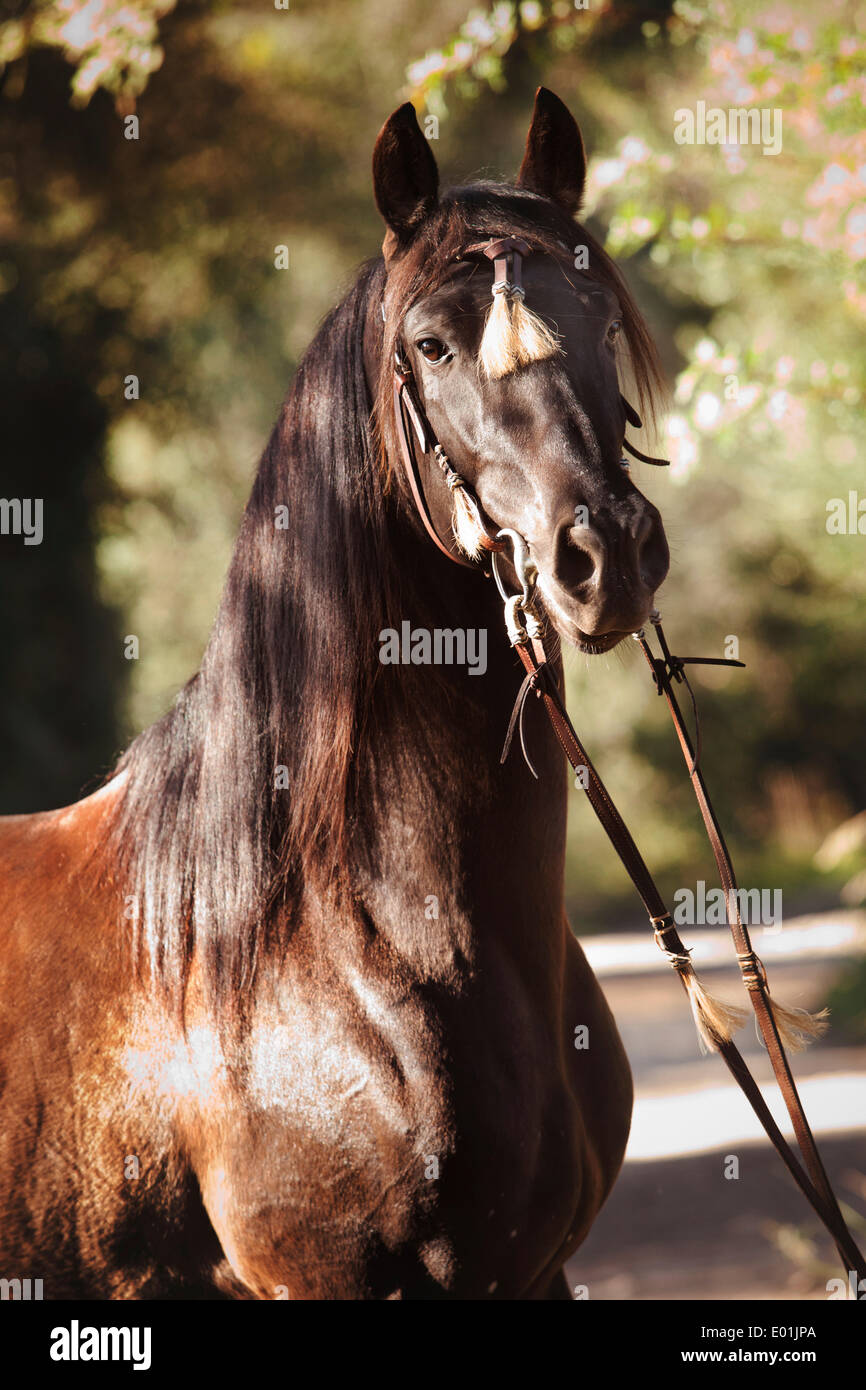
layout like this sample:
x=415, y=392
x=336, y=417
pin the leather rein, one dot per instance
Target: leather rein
x=543, y=680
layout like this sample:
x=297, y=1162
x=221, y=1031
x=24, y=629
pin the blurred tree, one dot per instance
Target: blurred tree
x=111, y=44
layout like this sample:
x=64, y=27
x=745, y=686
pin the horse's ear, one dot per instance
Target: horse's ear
x=405, y=177
x=555, y=162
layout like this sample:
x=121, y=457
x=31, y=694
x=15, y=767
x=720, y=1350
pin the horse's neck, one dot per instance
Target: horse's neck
x=463, y=849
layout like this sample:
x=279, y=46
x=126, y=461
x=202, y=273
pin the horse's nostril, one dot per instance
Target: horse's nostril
x=653, y=556
x=575, y=563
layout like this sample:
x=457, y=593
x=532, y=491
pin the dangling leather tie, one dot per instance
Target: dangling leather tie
x=633, y=418
x=529, y=683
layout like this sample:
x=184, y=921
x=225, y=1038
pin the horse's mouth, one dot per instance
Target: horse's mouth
x=594, y=646
x=591, y=644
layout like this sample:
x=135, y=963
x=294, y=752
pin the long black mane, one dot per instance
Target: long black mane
x=246, y=784
x=246, y=792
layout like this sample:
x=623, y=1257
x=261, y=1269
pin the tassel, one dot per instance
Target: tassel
x=797, y=1027
x=465, y=521
x=496, y=353
x=715, y=1020
x=513, y=335
x=536, y=341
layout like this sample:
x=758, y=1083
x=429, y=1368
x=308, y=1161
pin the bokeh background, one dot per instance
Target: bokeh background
x=155, y=257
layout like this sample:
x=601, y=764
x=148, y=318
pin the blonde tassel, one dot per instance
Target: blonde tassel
x=536, y=341
x=496, y=353
x=797, y=1027
x=715, y=1020
x=513, y=335
x=465, y=521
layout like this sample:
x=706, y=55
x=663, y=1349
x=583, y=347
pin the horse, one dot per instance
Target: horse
x=291, y=1001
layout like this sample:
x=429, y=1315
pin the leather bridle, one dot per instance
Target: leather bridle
x=507, y=254
x=543, y=680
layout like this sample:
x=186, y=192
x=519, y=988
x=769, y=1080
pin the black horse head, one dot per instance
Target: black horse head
x=524, y=397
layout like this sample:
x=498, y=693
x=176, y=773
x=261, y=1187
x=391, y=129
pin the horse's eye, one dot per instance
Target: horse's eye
x=432, y=349
x=613, y=330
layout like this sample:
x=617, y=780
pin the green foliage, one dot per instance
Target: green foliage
x=847, y=1002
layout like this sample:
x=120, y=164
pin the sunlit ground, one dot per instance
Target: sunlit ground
x=676, y=1225
x=697, y=1121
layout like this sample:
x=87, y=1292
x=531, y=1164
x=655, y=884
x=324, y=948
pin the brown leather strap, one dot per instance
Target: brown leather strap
x=497, y=249
x=665, y=672
x=402, y=401
x=645, y=458
x=815, y=1187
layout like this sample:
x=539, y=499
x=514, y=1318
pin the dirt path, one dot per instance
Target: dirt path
x=676, y=1227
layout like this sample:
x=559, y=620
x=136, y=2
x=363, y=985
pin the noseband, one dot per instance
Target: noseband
x=714, y=1021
